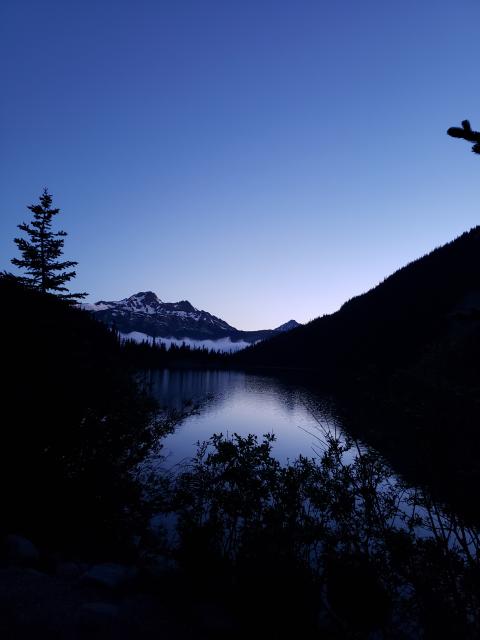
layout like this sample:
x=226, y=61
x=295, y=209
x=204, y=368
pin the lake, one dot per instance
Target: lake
x=237, y=402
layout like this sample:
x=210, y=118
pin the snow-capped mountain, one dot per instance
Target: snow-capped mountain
x=145, y=316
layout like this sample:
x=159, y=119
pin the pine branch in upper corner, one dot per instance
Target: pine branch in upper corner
x=466, y=133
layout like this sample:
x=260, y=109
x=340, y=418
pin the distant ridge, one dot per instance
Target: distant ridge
x=144, y=316
x=391, y=325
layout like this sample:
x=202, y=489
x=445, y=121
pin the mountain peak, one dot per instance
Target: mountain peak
x=142, y=302
x=287, y=326
x=144, y=315
x=147, y=297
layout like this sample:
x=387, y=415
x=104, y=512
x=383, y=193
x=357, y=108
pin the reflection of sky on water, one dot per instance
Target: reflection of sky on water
x=233, y=401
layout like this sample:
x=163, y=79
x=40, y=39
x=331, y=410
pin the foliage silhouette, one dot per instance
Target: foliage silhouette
x=466, y=132
x=338, y=537
x=41, y=252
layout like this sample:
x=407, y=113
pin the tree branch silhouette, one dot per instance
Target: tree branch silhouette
x=466, y=132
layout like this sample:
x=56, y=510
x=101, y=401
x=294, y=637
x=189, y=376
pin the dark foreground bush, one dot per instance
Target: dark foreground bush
x=336, y=543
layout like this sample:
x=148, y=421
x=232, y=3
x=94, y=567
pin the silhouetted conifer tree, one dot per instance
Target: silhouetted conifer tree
x=41, y=252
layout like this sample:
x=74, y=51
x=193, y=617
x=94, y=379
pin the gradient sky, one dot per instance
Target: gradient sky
x=263, y=159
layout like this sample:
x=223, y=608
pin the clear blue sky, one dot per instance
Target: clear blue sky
x=262, y=159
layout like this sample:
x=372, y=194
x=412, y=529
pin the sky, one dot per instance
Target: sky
x=263, y=159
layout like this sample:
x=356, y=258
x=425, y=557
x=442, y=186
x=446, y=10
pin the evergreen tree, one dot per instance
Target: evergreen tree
x=42, y=250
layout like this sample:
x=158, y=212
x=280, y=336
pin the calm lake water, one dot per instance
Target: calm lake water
x=236, y=402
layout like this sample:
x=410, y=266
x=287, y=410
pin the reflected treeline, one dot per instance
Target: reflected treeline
x=173, y=388
x=336, y=542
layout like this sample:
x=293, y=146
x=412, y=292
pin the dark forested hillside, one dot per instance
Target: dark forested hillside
x=403, y=359
x=74, y=424
x=433, y=298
